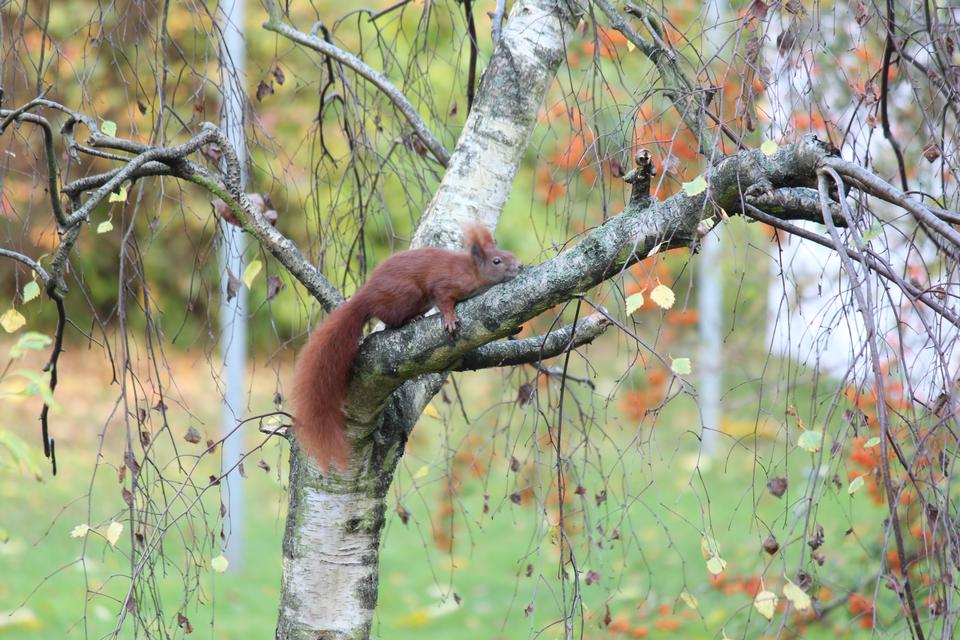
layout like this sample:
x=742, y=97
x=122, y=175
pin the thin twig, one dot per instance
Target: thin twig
x=400, y=101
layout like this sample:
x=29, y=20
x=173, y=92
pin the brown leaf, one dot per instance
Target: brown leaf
x=127, y=496
x=616, y=168
x=263, y=465
x=225, y=212
x=130, y=460
x=931, y=152
x=274, y=286
x=525, y=394
x=816, y=540
x=514, y=464
x=233, y=285
x=453, y=110
x=243, y=472
x=528, y=610
x=777, y=486
x=142, y=107
x=607, y=618
x=145, y=438
x=263, y=90
x=770, y=545
x=515, y=498
x=211, y=446
x=403, y=513
x=601, y=497
x=529, y=570
x=757, y=11
x=279, y=75
x=192, y=435
x=121, y=473
x=592, y=577
x=271, y=216
x=184, y=623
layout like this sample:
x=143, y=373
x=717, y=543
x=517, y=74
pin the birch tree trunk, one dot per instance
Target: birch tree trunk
x=331, y=543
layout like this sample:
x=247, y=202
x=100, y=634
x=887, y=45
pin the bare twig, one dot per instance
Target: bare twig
x=867, y=312
x=400, y=101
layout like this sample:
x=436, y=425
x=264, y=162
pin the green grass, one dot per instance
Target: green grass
x=642, y=543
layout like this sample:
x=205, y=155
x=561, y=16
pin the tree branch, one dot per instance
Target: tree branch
x=275, y=23
x=29, y=262
x=507, y=353
x=886, y=191
x=387, y=358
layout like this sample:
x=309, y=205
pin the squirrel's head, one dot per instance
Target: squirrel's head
x=493, y=264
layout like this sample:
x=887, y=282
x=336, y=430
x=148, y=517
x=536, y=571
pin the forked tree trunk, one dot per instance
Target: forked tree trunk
x=332, y=540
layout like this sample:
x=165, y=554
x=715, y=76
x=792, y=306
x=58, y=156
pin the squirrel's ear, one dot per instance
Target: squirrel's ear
x=478, y=254
x=475, y=233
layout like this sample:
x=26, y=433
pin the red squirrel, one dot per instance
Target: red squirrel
x=401, y=288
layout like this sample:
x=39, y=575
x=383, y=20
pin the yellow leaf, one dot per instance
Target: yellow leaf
x=663, y=296
x=698, y=185
x=630, y=45
x=680, y=366
x=109, y=128
x=689, y=599
x=634, y=302
x=709, y=547
x=431, y=411
x=79, y=531
x=251, y=272
x=769, y=148
x=113, y=533
x=797, y=596
x=716, y=565
x=855, y=484
x=766, y=603
x=105, y=226
x=810, y=441
x=421, y=472
x=30, y=291
x=219, y=564
x=12, y=320
x=120, y=196
x=872, y=442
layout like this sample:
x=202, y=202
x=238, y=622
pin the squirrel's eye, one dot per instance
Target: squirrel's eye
x=496, y=261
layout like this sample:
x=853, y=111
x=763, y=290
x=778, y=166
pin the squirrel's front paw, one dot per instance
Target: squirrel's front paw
x=452, y=326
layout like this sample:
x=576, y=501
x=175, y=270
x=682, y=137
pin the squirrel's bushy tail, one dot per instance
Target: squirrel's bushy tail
x=321, y=379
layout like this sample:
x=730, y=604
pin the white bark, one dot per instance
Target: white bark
x=330, y=565
x=331, y=545
x=484, y=163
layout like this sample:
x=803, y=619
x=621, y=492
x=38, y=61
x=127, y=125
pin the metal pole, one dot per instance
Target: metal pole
x=233, y=312
x=710, y=282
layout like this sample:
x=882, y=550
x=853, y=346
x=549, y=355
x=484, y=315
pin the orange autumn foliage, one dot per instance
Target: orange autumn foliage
x=668, y=624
